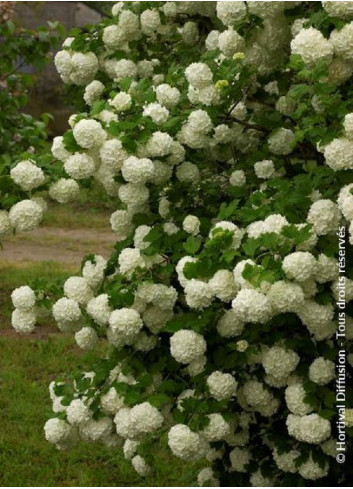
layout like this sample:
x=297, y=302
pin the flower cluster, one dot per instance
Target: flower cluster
x=229, y=162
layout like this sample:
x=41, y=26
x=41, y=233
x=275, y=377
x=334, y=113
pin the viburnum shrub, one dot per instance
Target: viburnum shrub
x=225, y=132
x=21, y=135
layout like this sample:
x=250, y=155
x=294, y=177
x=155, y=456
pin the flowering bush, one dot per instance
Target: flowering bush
x=21, y=135
x=224, y=131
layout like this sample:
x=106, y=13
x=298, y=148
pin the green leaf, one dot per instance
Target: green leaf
x=70, y=142
x=192, y=245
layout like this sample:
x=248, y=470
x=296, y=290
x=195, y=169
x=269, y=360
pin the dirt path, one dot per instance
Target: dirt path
x=67, y=246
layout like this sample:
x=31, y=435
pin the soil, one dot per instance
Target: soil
x=67, y=246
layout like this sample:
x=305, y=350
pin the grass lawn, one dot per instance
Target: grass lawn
x=26, y=459
x=27, y=365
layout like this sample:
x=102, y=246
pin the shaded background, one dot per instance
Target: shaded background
x=48, y=94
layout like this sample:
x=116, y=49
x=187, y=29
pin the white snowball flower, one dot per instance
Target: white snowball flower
x=309, y=469
x=311, y=428
x=150, y=21
x=140, y=465
x=186, y=444
x=285, y=297
x=130, y=449
x=145, y=68
x=133, y=194
x=326, y=269
x=66, y=310
x=264, y=169
x=217, y=429
x=162, y=172
x=237, y=178
x=223, y=286
x=211, y=41
x=229, y=325
x=223, y=134
x=325, y=216
x=191, y=225
x=167, y=95
x=23, y=297
x=89, y=133
x=341, y=41
x=121, y=223
x=79, y=166
x=121, y=102
x=280, y=362
x=322, y=371
x=281, y=142
x=318, y=319
x=145, y=419
x=342, y=10
x=86, y=338
x=156, y=112
x=231, y=12
x=93, y=270
x=111, y=402
x=25, y=215
x=196, y=366
x=285, y=461
x=56, y=430
x=5, y=224
x=112, y=154
x=160, y=144
x=300, y=265
x=345, y=201
x=77, y=412
x=96, y=430
x=200, y=121
x=24, y=320
x=93, y=91
x=198, y=294
x=123, y=423
x=188, y=172
x=186, y=345
x=221, y=386
x=129, y=260
x=257, y=479
x=78, y=289
x=139, y=237
x=126, y=323
x=64, y=190
x=208, y=95
x=137, y=170
x=230, y=42
x=125, y=68
x=170, y=228
x=311, y=45
x=190, y=33
x=295, y=399
x=199, y=75
x=206, y=478
x=155, y=318
x=84, y=67
x=257, y=395
x=338, y=154
x=63, y=64
x=239, y=459
x=27, y=175
x=252, y=306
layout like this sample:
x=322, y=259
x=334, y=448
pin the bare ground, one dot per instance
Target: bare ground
x=66, y=246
